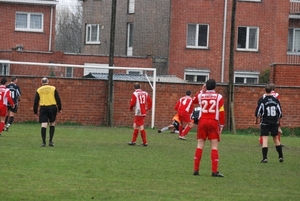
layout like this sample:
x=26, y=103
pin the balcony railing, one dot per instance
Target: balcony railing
x=294, y=7
x=293, y=58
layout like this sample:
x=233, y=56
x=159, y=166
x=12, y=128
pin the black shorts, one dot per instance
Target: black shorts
x=48, y=114
x=176, y=125
x=266, y=129
x=14, y=110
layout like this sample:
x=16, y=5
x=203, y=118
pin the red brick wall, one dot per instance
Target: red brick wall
x=10, y=38
x=61, y=58
x=85, y=101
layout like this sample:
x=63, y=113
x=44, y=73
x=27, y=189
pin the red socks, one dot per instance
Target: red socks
x=134, y=135
x=143, y=135
x=214, y=160
x=197, y=159
x=185, y=131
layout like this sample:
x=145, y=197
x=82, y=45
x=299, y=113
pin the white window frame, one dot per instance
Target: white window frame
x=194, y=36
x=89, y=32
x=131, y=6
x=246, y=75
x=251, y=0
x=4, y=68
x=67, y=73
x=129, y=39
x=29, y=22
x=195, y=73
x=293, y=42
x=134, y=72
x=247, y=48
x=95, y=68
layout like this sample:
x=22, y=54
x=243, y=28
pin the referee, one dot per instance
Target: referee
x=47, y=101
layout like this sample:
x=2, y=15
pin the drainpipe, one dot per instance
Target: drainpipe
x=224, y=40
x=50, y=35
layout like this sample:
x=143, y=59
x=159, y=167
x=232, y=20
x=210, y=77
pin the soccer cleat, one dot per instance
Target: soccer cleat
x=281, y=160
x=182, y=138
x=43, y=144
x=196, y=173
x=51, y=144
x=264, y=160
x=131, y=143
x=217, y=174
x=159, y=131
x=144, y=145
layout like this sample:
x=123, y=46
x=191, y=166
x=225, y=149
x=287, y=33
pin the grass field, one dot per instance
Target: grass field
x=95, y=163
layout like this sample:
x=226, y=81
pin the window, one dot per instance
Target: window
x=246, y=77
x=129, y=39
x=4, y=69
x=197, y=36
x=248, y=38
x=92, y=34
x=95, y=68
x=251, y=0
x=196, y=75
x=134, y=72
x=294, y=40
x=29, y=22
x=69, y=71
x=131, y=6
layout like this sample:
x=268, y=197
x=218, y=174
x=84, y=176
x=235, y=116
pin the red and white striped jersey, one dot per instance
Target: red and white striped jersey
x=141, y=102
x=5, y=96
x=212, y=106
x=185, y=104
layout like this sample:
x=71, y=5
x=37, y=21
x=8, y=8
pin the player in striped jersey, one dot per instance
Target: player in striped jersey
x=210, y=125
x=268, y=110
x=141, y=103
x=276, y=95
x=184, y=107
x=15, y=93
x=5, y=98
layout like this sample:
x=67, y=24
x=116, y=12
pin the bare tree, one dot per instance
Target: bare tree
x=69, y=28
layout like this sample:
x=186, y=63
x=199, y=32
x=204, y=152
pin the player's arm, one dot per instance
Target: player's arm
x=132, y=102
x=36, y=103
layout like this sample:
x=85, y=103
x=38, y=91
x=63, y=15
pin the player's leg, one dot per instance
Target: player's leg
x=134, y=134
x=277, y=143
x=198, y=154
x=264, y=133
x=142, y=131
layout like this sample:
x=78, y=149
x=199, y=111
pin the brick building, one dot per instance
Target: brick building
x=142, y=29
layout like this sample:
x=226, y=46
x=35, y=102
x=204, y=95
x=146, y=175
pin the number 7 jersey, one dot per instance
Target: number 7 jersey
x=212, y=106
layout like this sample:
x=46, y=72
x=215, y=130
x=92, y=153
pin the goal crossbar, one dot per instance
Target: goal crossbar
x=153, y=86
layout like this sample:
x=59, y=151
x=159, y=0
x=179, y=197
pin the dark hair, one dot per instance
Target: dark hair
x=210, y=84
x=268, y=88
x=3, y=80
x=14, y=78
x=188, y=93
x=137, y=85
x=272, y=86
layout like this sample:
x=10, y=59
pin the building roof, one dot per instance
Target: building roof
x=43, y=2
x=137, y=78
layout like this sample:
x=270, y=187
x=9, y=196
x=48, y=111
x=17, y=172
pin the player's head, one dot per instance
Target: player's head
x=272, y=86
x=188, y=93
x=210, y=84
x=137, y=85
x=268, y=88
x=13, y=78
x=3, y=80
x=45, y=80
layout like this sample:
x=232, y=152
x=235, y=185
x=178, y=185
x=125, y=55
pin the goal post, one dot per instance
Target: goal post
x=151, y=83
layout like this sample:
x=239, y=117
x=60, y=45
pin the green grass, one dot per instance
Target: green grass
x=95, y=163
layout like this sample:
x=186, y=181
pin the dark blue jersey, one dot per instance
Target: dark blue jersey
x=269, y=110
x=15, y=91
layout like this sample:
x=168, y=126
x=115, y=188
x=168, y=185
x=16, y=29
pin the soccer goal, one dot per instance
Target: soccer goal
x=99, y=67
